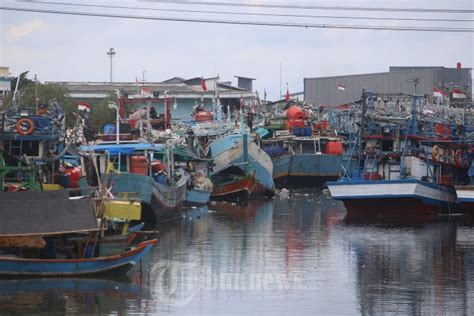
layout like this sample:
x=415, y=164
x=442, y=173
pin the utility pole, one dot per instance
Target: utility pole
x=111, y=53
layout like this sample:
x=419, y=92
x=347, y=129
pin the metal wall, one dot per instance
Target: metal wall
x=325, y=90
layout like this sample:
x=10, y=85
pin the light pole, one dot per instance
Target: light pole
x=111, y=54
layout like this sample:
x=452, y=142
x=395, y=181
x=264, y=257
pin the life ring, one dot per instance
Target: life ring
x=435, y=153
x=458, y=157
x=25, y=126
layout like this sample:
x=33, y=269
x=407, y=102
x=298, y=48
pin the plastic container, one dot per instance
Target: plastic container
x=324, y=125
x=74, y=175
x=333, y=148
x=308, y=131
x=139, y=165
x=294, y=123
x=203, y=116
x=295, y=113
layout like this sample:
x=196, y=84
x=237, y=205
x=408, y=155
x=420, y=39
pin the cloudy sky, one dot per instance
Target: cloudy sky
x=73, y=48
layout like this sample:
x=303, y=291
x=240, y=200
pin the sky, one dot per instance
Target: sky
x=73, y=48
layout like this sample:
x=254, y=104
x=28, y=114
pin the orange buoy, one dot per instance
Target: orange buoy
x=25, y=126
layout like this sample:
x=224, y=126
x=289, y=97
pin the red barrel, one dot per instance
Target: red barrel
x=290, y=124
x=139, y=165
x=295, y=113
x=324, y=125
x=74, y=175
x=333, y=148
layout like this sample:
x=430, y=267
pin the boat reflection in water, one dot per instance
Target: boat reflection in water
x=69, y=295
x=274, y=256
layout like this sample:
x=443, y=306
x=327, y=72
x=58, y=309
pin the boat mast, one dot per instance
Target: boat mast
x=365, y=96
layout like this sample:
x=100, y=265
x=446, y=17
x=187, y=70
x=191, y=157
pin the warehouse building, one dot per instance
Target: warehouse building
x=185, y=93
x=408, y=80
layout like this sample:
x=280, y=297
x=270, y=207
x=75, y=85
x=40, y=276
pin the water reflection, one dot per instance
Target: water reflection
x=285, y=256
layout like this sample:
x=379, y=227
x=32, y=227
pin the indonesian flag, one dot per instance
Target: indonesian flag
x=458, y=94
x=83, y=106
x=287, y=95
x=439, y=93
x=341, y=87
x=203, y=85
x=146, y=92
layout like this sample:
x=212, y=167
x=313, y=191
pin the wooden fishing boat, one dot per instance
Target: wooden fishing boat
x=233, y=187
x=120, y=263
x=412, y=179
x=42, y=234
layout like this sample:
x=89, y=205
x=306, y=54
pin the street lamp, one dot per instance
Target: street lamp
x=111, y=53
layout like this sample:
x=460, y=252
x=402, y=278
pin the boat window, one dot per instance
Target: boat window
x=19, y=148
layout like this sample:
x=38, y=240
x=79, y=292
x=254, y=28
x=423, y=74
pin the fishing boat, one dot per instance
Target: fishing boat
x=199, y=189
x=142, y=170
x=237, y=150
x=29, y=139
x=233, y=151
x=400, y=173
x=65, y=234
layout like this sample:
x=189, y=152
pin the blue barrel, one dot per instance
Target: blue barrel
x=308, y=131
x=110, y=129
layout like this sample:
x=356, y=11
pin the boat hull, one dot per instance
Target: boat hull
x=164, y=200
x=237, y=190
x=466, y=198
x=306, y=169
x=230, y=151
x=197, y=197
x=117, y=264
x=412, y=199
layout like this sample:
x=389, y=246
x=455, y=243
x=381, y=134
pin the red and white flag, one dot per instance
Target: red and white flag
x=341, y=87
x=458, y=94
x=203, y=85
x=146, y=92
x=83, y=106
x=287, y=95
x=439, y=93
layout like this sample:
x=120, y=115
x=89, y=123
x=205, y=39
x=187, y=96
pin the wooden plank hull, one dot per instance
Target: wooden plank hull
x=117, y=264
x=237, y=190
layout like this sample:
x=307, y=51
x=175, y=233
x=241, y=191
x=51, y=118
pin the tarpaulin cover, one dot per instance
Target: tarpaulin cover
x=35, y=195
x=46, y=217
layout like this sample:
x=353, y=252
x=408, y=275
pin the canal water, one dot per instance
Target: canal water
x=296, y=256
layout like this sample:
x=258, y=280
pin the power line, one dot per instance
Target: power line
x=255, y=23
x=310, y=7
x=253, y=14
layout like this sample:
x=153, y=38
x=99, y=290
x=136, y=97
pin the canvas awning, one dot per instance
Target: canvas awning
x=35, y=195
x=23, y=217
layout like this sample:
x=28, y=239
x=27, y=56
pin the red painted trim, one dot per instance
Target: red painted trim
x=139, y=248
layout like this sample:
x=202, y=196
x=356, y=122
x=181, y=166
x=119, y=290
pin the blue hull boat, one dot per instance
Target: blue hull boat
x=120, y=264
x=309, y=169
x=237, y=150
x=195, y=197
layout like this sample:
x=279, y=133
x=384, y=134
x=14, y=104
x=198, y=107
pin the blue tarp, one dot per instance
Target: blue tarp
x=123, y=149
